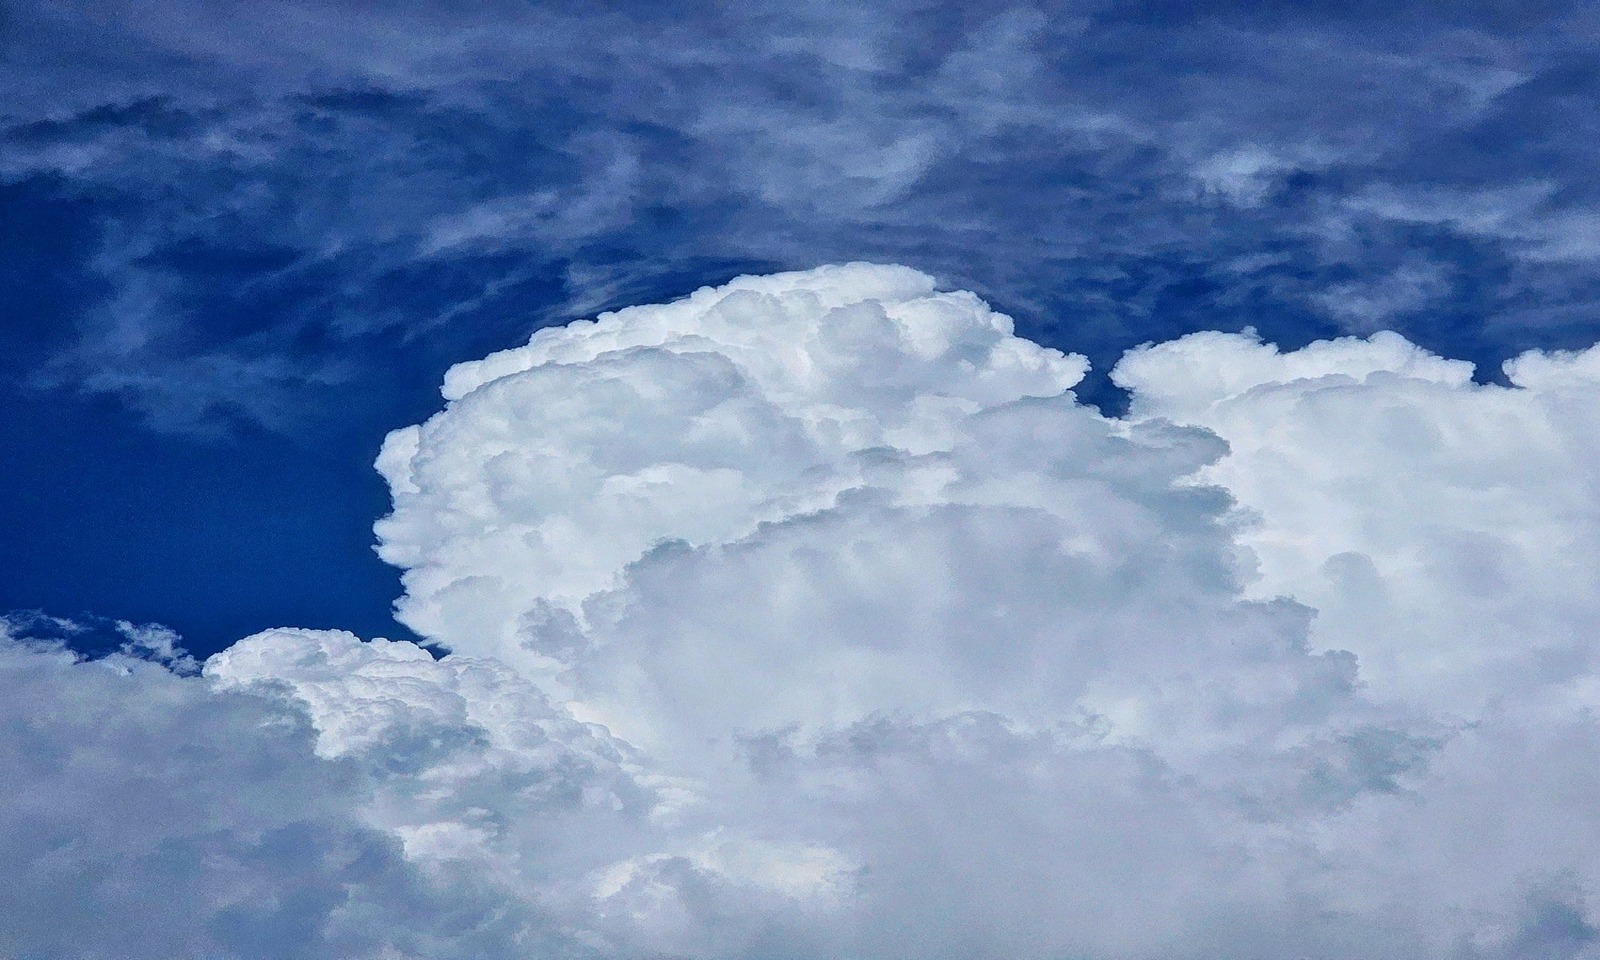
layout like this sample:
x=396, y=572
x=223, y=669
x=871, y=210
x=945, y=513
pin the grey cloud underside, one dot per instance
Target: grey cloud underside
x=1110, y=173
x=149, y=815
x=811, y=616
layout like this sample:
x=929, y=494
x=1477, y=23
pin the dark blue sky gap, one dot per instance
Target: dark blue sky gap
x=236, y=249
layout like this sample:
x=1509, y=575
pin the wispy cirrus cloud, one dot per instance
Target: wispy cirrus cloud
x=1088, y=166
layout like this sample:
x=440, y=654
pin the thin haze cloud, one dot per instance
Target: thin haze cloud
x=334, y=176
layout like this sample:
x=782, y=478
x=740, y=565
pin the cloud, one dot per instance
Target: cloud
x=1362, y=306
x=1521, y=213
x=151, y=815
x=844, y=561
x=1390, y=488
x=812, y=615
x=1090, y=168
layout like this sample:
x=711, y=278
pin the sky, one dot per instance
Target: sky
x=242, y=242
x=892, y=480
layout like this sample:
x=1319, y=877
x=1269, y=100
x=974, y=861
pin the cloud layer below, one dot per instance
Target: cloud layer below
x=811, y=616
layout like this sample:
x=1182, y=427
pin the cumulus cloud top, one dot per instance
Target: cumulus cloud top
x=812, y=616
x=696, y=420
x=1180, y=378
x=1390, y=489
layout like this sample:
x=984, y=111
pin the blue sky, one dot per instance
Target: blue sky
x=240, y=242
x=1100, y=480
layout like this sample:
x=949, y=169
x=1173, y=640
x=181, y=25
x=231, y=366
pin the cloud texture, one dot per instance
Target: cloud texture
x=811, y=616
x=270, y=227
x=330, y=174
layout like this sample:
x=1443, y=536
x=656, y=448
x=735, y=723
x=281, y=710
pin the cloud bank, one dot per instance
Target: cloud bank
x=812, y=616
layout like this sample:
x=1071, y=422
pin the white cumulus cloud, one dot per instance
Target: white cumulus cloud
x=811, y=616
x=1444, y=530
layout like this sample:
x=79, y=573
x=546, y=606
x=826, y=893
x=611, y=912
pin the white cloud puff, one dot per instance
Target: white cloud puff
x=152, y=815
x=812, y=616
x=559, y=463
x=1444, y=530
